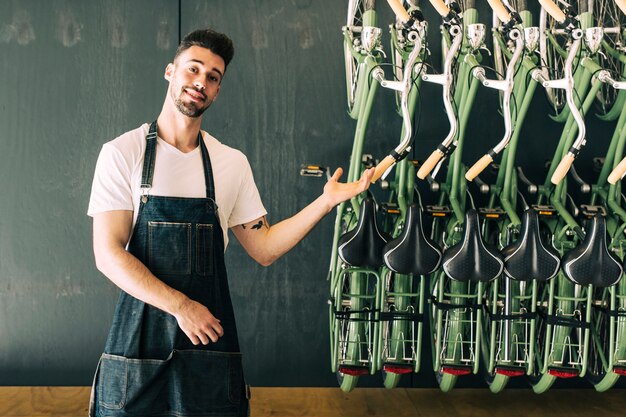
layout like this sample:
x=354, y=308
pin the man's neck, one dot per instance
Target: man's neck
x=179, y=130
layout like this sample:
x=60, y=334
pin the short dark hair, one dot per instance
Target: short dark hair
x=216, y=42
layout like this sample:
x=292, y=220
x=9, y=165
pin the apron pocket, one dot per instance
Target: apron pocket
x=208, y=381
x=138, y=386
x=204, y=249
x=188, y=382
x=112, y=376
x=169, y=248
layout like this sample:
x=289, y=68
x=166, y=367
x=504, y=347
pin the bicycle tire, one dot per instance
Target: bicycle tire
x=446, y=381
x=399, y=328
x=597, y=372
x=496, y=382
x=356, y=18
x=347, y=383
x=600, y=345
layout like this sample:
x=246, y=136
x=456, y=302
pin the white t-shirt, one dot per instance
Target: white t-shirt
x=117, y=180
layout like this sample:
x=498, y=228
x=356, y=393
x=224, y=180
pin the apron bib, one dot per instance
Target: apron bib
x=149, y=366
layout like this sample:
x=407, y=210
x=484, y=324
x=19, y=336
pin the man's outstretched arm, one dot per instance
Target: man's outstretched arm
x=265, y=243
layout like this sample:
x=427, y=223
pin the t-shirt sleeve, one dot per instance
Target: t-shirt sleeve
x=248, y=205
x=111, y=189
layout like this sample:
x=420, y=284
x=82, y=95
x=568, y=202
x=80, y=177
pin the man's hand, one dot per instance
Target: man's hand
x=198, y=323
x=336, y=192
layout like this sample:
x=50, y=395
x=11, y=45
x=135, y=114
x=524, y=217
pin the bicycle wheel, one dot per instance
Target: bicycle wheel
x=356, y=330
x=539, y=380
x=600, y=351
x=608, y=16
x=360, y=14
x=396, y=332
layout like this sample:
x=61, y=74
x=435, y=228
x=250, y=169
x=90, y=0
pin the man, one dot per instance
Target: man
x=162, y=198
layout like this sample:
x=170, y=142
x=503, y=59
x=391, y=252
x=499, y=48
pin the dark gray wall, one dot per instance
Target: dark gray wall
x=75, y=74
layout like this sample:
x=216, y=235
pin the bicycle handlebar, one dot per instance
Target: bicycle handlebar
x=404, y=86
x=444, y=79
x=553, y=10
x=478, y=167
x=562, y=168
x=568, y=81
x=500, y=10
x=429, y=164
x=399, y=10
x=506, y=86
x=441, y=7
x=618, y=172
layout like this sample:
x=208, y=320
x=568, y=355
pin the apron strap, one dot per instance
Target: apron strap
x=149, y=157
x=208, y=170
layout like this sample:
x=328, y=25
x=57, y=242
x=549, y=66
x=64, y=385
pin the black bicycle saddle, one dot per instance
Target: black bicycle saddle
x=412, y=252
x=472, y=259
x=592, y=262
x=528, y=258
x=363, y=245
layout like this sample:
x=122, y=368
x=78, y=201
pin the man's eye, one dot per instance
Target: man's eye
x=193, y=69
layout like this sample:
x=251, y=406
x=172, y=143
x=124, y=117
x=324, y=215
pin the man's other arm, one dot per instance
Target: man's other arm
x=111, y=231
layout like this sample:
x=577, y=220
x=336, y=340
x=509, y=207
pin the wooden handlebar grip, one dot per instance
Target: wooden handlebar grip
x=399, y=10
x=622, y=5
x=618, y=172
x=561, y=170
x=553, y=10
x=382, y=167
x=500, y=11
x=429, y=164
x=478, y=167
x=443, y=10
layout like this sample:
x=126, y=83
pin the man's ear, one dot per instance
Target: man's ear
x=169, y=70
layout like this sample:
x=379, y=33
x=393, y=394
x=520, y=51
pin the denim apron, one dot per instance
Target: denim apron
x=149, y=366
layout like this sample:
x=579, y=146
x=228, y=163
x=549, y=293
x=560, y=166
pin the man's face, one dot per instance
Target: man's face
x=195, y=78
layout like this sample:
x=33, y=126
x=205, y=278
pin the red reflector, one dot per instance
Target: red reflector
x=454, y=370
x=563, y=373
x=510, y=372
x=620, y=371
x=398, y=369
x=354, y=370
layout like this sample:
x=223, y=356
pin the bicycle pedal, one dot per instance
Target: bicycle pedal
x=588, y=211
x=309, y=170
x=491, y=213
x=438, y=211
x=398, y=368
x=544, y=210
x=416, y=162
x=390, y=208
x=368, y=161
x=598, y=163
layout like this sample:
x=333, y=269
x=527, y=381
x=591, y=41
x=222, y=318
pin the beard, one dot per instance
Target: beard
x=189, y=108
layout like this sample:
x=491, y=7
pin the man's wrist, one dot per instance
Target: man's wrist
x=327, y=203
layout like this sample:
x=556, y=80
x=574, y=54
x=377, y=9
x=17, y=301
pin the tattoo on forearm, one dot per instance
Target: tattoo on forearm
x=258, y=225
